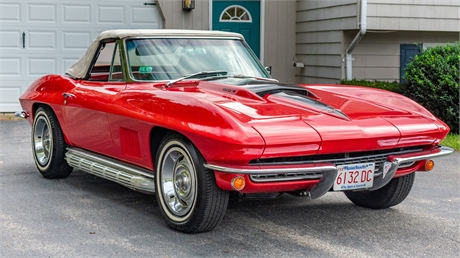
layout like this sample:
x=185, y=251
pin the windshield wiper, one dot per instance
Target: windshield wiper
x=240, y=76
x=202, y=73
x=257, y=78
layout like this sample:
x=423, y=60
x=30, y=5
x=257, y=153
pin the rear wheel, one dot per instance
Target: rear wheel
x=48, y=145
x=390, y=195
x=186, y=191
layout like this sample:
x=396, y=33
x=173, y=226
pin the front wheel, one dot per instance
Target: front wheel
x=48, y=145
x=186, y=191
x=390, y=195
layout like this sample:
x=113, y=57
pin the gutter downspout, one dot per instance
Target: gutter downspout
x=362, y=31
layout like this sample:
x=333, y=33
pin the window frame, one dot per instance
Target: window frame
x=117, y=43
x=128, y=72
x=117, y=47
x=235, y=6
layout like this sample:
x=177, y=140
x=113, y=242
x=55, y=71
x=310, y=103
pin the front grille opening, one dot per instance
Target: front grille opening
x=377, y=156
x=286, y=177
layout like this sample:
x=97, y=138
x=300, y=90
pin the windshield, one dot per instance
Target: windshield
x=170, y=59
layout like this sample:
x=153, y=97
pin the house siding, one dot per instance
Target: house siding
x=426, y=15
x=325, y=29
x=319, y=40
x=279, y=38
x=175, y=18
x=377, y=57
x=391, y=23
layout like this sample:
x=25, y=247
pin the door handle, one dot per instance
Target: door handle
x=68, y=95
x=23, y=40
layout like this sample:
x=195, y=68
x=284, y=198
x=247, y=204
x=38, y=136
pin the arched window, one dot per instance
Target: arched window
x=235, y=13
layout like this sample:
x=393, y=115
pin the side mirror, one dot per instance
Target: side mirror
x=269, y=69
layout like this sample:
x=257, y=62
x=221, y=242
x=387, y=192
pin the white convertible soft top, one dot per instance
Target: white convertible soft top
x=80, y=68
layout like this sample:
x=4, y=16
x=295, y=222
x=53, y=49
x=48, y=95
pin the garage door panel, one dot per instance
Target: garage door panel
x=76, y=14
x=39, y=13
x=76, y=40
x=10, y=67
x=57, y=34
x=10, y=93
x=41, y=66
x=9, y=96
x=111, y=14
x=10, y=39
x=42, y=39
x=142, y=15
x=10, y=12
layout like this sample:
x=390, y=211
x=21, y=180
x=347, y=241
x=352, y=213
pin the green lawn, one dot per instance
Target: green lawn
x=452, y=140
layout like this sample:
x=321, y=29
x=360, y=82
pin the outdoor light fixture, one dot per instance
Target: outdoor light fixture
x=188, y=5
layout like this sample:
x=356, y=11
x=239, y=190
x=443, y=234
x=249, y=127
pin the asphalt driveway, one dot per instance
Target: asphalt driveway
x=85, y=216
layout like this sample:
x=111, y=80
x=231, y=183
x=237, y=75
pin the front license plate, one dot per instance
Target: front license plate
x=354, y=176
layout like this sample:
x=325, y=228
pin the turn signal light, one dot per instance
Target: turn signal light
x=429, y=165
x=238, y=183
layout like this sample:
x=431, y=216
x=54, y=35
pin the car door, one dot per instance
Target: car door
x=86, y=104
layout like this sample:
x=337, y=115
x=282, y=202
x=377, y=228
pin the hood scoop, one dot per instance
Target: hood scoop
x=272, y=88
x=276, y=92
x=293, y=93
x=263, y=87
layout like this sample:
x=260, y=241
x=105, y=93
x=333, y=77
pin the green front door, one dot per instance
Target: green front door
x=239, y=16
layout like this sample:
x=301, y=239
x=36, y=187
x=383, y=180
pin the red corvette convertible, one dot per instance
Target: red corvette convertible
x=193, y=115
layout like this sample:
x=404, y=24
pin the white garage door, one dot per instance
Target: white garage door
x=40, y=37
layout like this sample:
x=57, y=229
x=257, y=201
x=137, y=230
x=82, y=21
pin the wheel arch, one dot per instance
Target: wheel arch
x=210, y=146
x=37, y=105
x=156, y=136
x=158, y=133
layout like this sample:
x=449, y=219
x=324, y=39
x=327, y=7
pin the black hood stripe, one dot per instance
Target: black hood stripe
x=320, y=106
x=289, y=91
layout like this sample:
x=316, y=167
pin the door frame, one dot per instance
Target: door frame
x=262, y=26
x=403, y=49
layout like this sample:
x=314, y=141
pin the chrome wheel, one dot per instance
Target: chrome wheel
x=186, y=192
x=178, y=181
x=48, y=145
x=43, y=141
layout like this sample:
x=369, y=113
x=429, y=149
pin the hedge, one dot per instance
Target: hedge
x=432, y=79
x=390, y=86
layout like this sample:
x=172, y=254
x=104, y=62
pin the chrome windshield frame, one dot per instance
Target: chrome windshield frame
x=127, y=66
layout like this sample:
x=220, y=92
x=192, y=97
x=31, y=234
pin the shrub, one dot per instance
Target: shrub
x=390, y=86
x=432, y=79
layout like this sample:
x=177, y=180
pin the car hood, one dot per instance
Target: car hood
x=305, y=120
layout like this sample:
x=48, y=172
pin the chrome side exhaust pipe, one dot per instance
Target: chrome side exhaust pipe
x=135, y=178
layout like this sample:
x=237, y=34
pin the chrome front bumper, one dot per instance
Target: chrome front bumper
x=21, y=114
x=329, y=170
